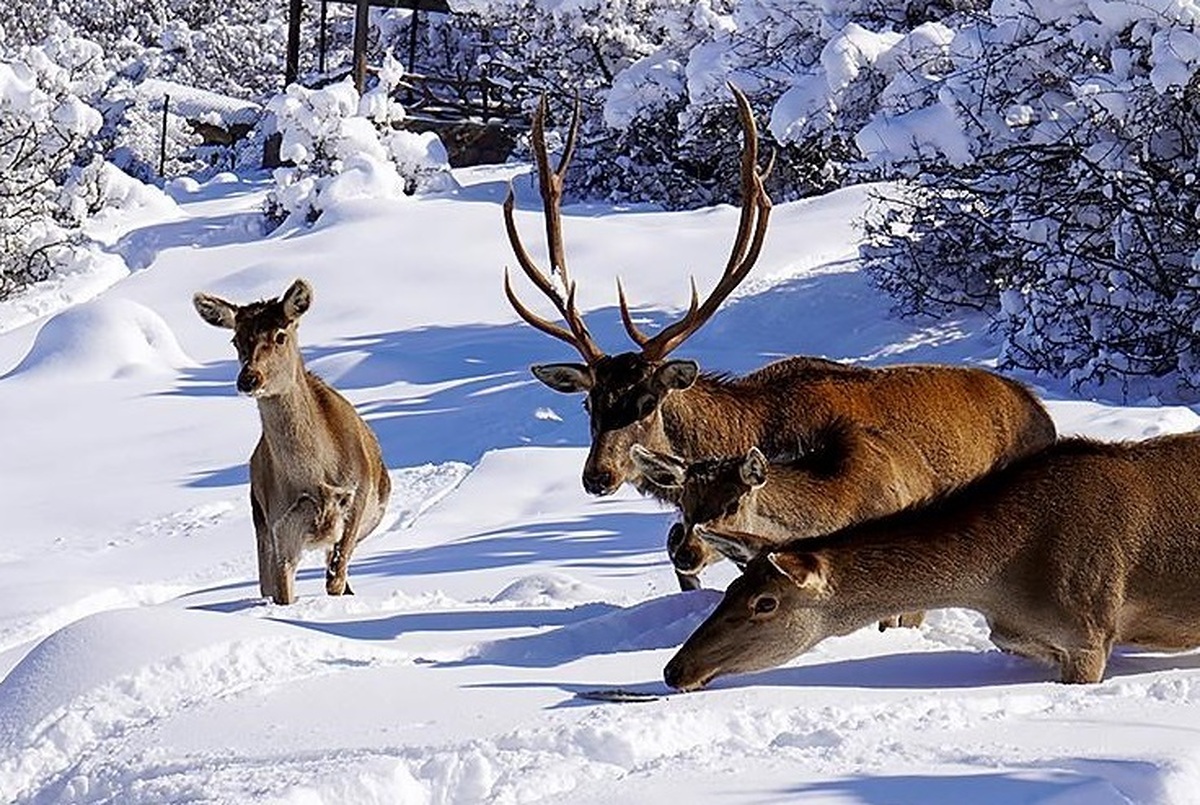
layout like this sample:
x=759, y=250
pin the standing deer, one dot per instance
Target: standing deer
x=813, y=491
x=1066, y=553
x=317, y=477
x=946, y=425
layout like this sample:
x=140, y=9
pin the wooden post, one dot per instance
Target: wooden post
x=321, y=37
x=162, y=140
x=412, y=39
x=291, y=70
x=361, y=10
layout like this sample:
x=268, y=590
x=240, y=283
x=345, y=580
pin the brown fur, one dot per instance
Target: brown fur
x=1066, y=553
x=317, y=477
x=844, y=475
x=931, y=428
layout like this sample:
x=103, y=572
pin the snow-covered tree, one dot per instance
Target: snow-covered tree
x=1053, y=181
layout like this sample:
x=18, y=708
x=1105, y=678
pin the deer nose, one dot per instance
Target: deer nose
x=248, y=380
x=673, y=674
x=600, y=482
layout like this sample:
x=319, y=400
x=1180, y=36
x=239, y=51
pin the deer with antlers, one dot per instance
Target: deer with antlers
x=946, y=425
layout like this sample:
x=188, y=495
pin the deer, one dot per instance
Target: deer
x=317, y=477
x=1066, y=553
x=805, y=493
x=947, y=424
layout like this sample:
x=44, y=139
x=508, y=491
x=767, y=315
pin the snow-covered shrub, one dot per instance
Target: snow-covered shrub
x=51, y=180
x=344, y=146
x=1053, y=181
x=235, y=47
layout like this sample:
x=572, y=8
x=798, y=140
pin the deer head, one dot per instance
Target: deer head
x=710, y=493
x=264, y=334
x=774, y=611
x=625, y=392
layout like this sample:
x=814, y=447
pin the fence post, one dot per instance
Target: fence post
x=162, y=140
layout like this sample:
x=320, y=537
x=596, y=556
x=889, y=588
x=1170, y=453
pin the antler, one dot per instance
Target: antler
x=752, y=228
x=551, y=185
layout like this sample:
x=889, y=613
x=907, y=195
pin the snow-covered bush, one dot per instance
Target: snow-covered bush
x=344, y=146
x=51, y=179
x=236, y=47
x=1052, y=172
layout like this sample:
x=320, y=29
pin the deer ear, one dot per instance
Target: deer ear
x=659, y=468
x=215, y=310
x=569, y=378
x=297, y=299
x=737, y=546
x=676, y=375
x=806, y=570
x=754, y=469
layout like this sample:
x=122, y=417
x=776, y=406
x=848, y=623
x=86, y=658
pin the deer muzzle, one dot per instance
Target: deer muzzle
x=685, y=676
x=249, y=381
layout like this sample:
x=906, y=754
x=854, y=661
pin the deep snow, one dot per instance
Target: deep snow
x=142, y=667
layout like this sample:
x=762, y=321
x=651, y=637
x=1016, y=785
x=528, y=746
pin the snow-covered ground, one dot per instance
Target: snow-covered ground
x=141, y=667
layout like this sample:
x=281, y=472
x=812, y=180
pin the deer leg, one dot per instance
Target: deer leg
x=1083, y=665
x=331, y=560
x=288, y=535
x=266, y=549
x=336, y=582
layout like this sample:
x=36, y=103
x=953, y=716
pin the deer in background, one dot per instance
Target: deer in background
x=846, y=475
x=317, y=477
x=1066, y=553
x=947, y=425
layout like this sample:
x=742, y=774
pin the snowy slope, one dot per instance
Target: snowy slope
x=140, y=665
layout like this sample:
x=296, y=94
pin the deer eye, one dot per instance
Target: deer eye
x=646, y=403
x=765, y=604
x=281, y=337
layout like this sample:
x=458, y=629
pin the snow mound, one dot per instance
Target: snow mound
x=547, y=589
x=102, y=676
x=104, y=339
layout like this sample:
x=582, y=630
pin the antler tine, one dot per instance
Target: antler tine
x=550, y=185
x=640, y=338
x=546, y=326
x=747, y=244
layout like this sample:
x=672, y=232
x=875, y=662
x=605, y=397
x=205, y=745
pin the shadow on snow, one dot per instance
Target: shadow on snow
x=469, y=389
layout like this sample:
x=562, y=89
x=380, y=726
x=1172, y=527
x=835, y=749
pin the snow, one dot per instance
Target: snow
x=140, y=665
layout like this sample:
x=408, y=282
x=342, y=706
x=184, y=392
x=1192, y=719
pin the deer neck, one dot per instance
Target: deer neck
x=875, y=572
x=291, y=419
x=707, y=420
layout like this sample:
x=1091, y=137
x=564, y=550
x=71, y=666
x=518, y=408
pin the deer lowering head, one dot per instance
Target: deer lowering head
x=264, y=335
x=626, y=392
x=776, y=609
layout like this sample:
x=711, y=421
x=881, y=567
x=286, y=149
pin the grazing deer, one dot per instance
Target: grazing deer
x=946, y=425
x=1066, y=553
x=317, y=477
x=845, y=476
